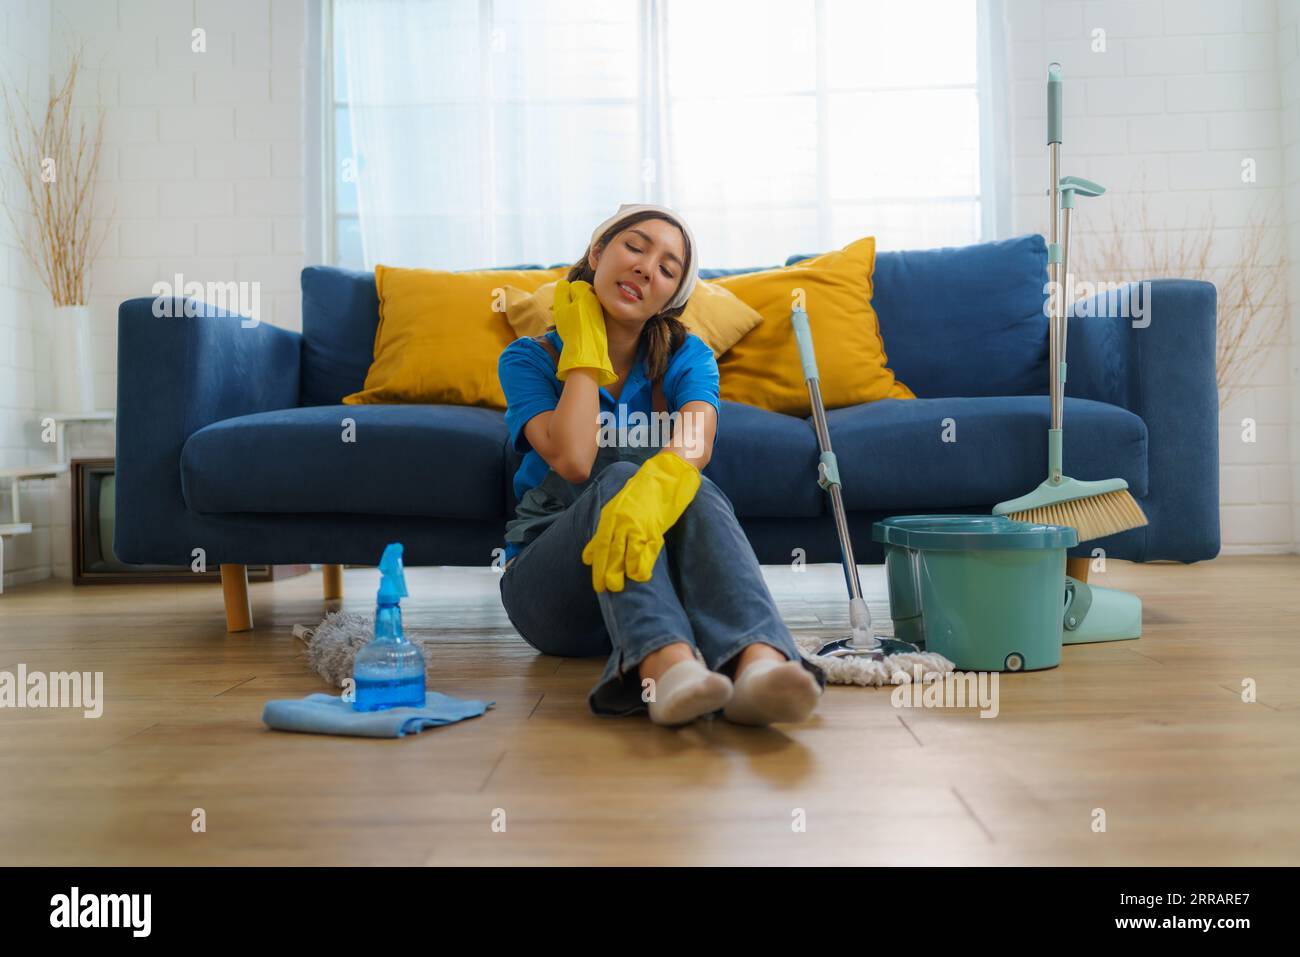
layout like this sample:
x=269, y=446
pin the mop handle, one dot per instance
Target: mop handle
x=803, y=336
x=828, y=473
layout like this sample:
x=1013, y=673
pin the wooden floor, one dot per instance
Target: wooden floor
x=1154, y=732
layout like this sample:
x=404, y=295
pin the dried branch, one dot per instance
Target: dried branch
x=1251, y=289
x=57, y=163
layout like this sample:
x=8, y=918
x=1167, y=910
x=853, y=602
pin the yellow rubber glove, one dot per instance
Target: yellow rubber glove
x=631, y=530
x=581, y=324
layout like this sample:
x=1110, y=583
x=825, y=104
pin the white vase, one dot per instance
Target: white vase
x=74, y=363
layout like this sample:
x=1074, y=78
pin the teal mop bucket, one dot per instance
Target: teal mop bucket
x=984, y=591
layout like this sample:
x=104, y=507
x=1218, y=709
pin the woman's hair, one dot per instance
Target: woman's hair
x=663, y=333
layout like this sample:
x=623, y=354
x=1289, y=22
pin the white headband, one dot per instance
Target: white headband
x=692, y=269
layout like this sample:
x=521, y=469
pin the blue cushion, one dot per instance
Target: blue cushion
x=431, y=460
x=892, y=453
x=765, y=462
x=340, y=313
x=964, y=320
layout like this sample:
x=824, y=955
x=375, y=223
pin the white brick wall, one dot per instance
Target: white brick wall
x=202, y=161
x=1288, y=63
x=24, y=347
x=1184, y=90
x=195, y=186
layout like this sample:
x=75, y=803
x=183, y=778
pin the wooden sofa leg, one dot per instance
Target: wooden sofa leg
x=333, y=581
x=1077, y=568
x=234, y=590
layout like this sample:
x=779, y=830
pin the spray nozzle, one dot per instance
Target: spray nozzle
x=392, y=582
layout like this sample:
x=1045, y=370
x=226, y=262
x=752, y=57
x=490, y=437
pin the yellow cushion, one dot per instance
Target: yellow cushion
x=763, y=368
x=712, y=313
x=440, y=335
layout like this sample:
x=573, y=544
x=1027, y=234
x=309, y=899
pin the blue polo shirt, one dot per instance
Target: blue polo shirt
x=528, y=379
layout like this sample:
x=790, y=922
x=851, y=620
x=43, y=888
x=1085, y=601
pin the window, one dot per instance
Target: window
x=470, y=133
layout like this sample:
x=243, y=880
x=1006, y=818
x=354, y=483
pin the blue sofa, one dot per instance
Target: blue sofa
x=229, y=438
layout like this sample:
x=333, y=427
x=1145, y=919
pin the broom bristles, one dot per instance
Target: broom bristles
x=1093, y=517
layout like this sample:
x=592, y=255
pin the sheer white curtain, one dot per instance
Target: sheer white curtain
x=496, y=132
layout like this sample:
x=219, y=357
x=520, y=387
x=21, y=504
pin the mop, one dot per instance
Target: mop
x=862, y=657
x=1093, y=509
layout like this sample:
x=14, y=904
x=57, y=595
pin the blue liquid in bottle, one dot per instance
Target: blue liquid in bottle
x=389, y=671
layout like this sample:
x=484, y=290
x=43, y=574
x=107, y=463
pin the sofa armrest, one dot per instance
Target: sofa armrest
x=1156, y=358
x=190, y=367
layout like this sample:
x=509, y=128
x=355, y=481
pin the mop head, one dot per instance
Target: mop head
x=333, y=644
x=894, y=670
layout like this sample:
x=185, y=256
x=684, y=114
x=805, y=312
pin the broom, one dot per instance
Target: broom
x=1093, y=509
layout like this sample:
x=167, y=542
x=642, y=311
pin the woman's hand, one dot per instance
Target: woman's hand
x=580, y=321
x=632, y=523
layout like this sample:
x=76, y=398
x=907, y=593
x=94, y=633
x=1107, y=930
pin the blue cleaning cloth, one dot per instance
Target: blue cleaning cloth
x=326, y=714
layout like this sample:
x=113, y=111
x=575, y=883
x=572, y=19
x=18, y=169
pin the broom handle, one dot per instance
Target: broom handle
x=1054, y=275
x=1065, y=294
x=1055, y=328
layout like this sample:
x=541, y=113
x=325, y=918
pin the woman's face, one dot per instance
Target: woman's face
x=649, y=257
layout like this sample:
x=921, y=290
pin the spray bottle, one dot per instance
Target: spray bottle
x=389, y=671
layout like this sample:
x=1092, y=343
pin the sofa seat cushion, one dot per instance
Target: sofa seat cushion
x=440, y=461
x=766, y=463
x=893, y=454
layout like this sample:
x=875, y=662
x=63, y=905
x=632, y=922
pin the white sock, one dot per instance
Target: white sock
x=773, y=691
x=687, y=690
